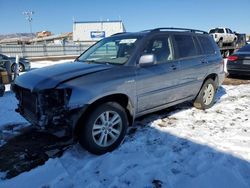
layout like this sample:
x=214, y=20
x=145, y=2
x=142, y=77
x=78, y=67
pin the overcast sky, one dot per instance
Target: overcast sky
x=57, y=15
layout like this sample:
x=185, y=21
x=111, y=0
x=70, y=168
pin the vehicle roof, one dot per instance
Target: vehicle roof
x=160, y=30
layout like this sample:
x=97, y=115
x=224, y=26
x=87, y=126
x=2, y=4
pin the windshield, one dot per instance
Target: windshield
x=113, y=50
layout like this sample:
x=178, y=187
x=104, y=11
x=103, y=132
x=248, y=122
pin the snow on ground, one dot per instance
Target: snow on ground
x=186, y=148
x=40, y=64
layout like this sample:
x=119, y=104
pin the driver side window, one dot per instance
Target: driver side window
x=161, y=48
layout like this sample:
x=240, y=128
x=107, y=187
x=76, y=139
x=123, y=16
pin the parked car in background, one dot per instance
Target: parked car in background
x=118, y=79
x=239, y=62
x=223, y=36
x=24, y=64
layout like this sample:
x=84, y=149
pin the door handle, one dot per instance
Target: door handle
x=204, y=62
x=173, y=67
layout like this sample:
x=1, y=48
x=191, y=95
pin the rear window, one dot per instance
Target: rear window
x=207, y=45
x=245, y=48
x=185, y=46
x=216, y=31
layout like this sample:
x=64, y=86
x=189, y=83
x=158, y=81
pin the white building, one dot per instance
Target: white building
x=93, y=31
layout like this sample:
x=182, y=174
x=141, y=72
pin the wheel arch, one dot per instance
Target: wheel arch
x=212, y=76
x=120, y=98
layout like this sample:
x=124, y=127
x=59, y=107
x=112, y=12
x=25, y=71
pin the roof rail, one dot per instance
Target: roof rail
x=177, y=29
x=118, y=33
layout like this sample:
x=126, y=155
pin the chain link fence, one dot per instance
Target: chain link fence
x=43, y=50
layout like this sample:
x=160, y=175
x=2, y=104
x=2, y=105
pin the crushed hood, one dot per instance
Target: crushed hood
x=51, y=76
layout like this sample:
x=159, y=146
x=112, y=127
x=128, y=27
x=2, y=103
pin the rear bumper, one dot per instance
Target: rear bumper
x=239, y=72
x=240, y=69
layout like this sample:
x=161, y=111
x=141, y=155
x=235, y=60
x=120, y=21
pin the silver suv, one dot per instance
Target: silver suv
x=119, y=79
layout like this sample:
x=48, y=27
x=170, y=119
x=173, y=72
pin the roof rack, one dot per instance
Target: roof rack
x=118, y=33
x=177, y=29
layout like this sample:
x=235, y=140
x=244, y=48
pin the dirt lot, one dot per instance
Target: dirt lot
x=236, y=80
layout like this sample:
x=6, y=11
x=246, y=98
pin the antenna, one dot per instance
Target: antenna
x=28, y=16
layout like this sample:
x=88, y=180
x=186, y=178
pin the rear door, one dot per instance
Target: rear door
x=157, y=84
x=212, y=54
x=192, y=64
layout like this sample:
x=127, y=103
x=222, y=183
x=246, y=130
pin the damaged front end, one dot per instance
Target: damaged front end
x=47, y=109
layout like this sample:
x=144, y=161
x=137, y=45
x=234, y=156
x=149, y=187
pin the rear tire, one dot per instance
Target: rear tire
x=206, y=96
x=104, y=129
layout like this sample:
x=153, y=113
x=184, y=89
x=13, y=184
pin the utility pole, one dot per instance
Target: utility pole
x=28, y=16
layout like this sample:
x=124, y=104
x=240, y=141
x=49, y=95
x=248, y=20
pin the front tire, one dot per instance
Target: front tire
x=104, y=129
x=206, y=96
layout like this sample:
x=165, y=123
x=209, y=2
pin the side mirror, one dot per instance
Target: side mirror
x=148, y=59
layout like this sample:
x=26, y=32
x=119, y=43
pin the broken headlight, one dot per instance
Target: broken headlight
x=55, y=97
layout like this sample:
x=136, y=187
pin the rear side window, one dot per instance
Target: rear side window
x=185, y=46
x=207, y=45
x=197, y=45
x=220, y=31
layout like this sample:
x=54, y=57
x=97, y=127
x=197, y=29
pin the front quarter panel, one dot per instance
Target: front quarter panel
x=87, y=89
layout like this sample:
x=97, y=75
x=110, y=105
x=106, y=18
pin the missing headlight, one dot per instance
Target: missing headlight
x=55, y=97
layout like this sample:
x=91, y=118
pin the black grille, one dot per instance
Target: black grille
x=28, y=104
x=28, y=100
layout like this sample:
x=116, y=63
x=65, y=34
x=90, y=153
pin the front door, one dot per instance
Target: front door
x=157, y=83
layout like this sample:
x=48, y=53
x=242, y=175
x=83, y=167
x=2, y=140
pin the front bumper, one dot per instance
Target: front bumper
x=47, y=110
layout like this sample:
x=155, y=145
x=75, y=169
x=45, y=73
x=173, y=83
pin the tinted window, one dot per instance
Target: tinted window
x=185, y=46
x=161, y=47
x=212, y=31
x=245, y=48
x=230, y=31
x=197, y=45
x=220, y=31
x=206, y=44
x=216, y=30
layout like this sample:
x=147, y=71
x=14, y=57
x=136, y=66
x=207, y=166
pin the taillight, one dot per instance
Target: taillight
x=232, y=58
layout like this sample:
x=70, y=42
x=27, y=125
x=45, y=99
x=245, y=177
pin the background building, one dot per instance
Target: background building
x=93, y=31
x=61, y=39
